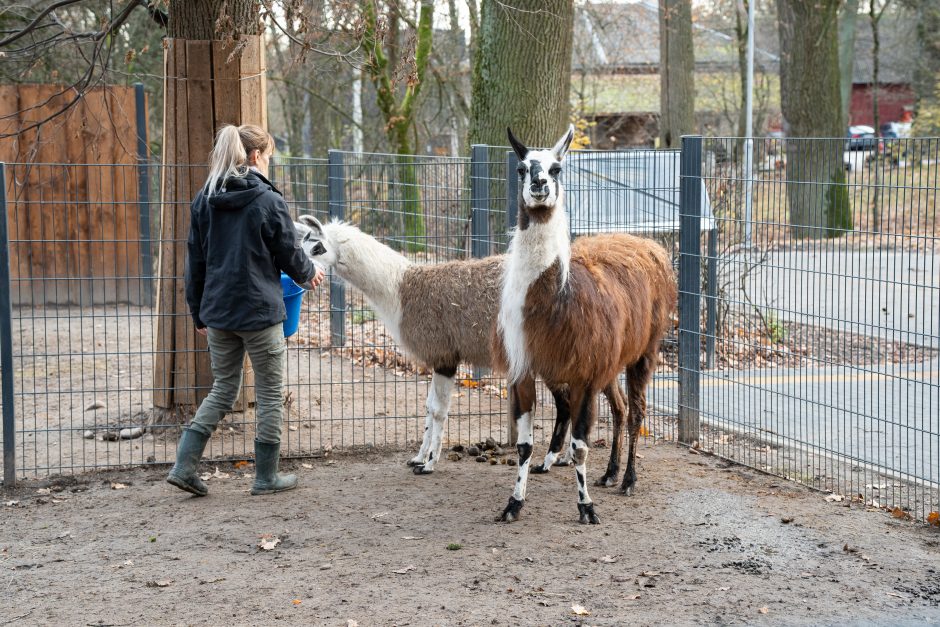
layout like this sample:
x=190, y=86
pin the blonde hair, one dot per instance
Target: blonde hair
x=229, y=156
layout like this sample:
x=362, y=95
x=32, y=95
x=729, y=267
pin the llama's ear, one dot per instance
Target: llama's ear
x=517, y=146
x=312, y=222
x=561, y=148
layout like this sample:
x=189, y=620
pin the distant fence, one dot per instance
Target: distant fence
x=823, y=365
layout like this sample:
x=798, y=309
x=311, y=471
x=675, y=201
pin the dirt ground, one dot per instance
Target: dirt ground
x=363, y=541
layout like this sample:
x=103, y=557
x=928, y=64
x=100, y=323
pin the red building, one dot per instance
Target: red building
x=897, y=60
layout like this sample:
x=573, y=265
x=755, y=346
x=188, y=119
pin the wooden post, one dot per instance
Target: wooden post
x=206, y=86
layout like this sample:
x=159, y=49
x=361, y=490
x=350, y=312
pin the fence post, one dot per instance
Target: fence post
x=143, y=197
x=690, y=286
x=337, y=204
x=711, y=298
x=6, y=342
x=512, y=190
x=479, y=202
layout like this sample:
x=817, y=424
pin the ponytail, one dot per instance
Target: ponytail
x=229, y=156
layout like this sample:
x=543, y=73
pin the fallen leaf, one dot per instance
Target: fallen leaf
x=412, y=537
x=879, y=486
x=835, y=498
x=643, y=432
x=43, y=491
x=117, y=486
x=162, y=583
x=214, y=475
x=326, y=566
x=307, y=466
x=724, y=588
x=240, y=464
x=267, y=542
x=129, y=563
x=296, y=601
x=469, y=383
x=404, y=570
x=351, y=623
x=897, y=512
x=633, y=597
x=607, y=559
x=933, y=518
x=10, y=503
x=764, y=610
x=579, y=610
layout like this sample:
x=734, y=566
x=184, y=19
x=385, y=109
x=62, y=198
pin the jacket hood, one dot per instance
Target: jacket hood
x=237, y=192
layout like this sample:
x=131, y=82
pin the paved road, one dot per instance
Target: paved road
x=887, y=416
x=894, y=295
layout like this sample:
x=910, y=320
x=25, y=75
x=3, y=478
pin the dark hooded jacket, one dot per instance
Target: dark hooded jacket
x=239, y=242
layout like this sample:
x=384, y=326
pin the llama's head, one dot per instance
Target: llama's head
x=540, y=191
x=315, y=242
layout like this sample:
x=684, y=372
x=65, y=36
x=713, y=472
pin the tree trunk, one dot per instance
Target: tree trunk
x=204, y=89
x=522, y=71
x=927, y=65
x=812, y=107
x=874, y=19
x=848, y=19
x=676, y=66
x=399, y=106
x=740, y=32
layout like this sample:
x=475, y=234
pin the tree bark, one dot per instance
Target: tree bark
x=522, y=71
x=848, y=19
x=198, y=19
x=206, y=86
x=676, y=67
x=927, y=69
x=812, y=108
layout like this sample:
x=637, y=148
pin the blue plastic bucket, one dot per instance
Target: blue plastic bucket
x=293, y=297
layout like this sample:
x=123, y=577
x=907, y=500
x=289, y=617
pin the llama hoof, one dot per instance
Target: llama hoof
x=511, y=513
x=606, y=482
x=626, y=490
x=562, y=462
x=416, y=461
x=539, y=470
x=422, y=469
x=586, y=510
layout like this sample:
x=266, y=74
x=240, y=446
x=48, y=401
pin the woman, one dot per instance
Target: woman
x=241, y=237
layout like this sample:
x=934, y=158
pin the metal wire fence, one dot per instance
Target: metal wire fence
x=808, y=318
x=86, y=359
x=823, y=361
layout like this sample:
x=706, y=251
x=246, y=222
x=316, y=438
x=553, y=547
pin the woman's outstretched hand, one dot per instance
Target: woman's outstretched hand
x=317, y=278
x=203, y=332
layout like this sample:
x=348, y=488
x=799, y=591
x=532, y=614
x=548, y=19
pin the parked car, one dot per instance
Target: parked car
x=861, y=138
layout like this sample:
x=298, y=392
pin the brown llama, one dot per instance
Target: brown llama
x=577, y=315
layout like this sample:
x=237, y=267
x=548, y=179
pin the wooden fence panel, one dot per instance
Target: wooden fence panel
x=75, y=227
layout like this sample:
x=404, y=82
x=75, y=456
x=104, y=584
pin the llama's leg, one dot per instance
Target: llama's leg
x=522, y=404
x=560, y=432
x=438, y=404
x=582, y=422
x=638, y=376
x=422, y=455
x=618, y=409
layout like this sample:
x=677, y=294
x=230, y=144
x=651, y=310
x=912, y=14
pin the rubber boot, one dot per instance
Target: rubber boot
x=267, y=479
x=183, y=474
